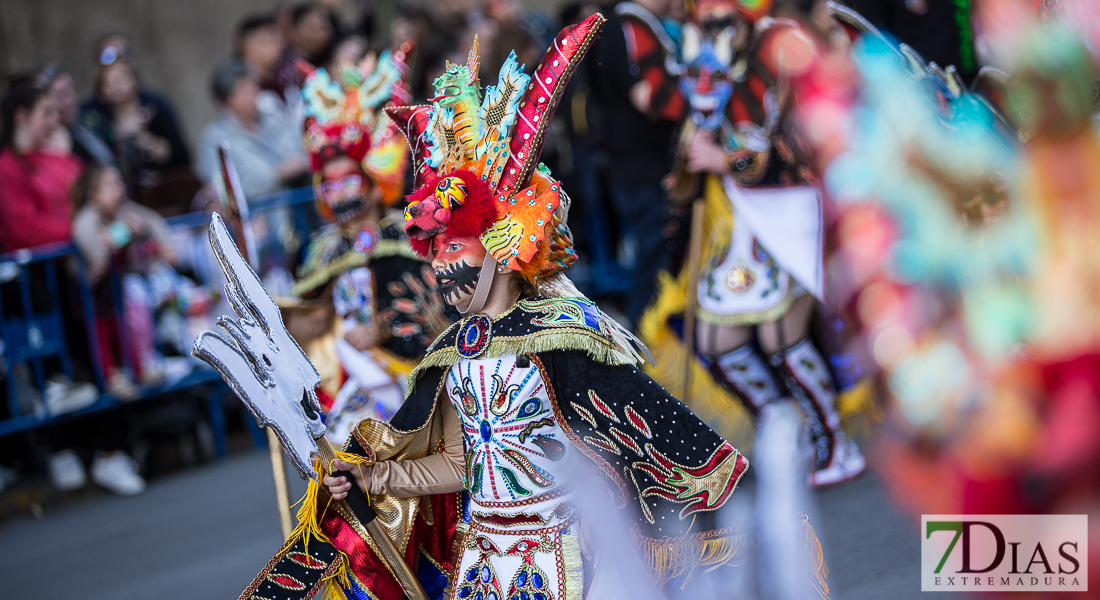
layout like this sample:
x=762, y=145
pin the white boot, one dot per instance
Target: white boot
x=846, y=464
x=837, y=458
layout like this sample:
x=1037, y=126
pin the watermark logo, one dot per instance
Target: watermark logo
x=985, y=553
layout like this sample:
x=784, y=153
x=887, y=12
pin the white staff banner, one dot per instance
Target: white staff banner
x=1006, y=553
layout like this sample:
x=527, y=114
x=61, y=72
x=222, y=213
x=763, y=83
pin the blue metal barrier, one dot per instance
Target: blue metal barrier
x=33, y=335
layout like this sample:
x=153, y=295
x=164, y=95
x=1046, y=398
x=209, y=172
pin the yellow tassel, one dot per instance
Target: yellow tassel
x=331, y=591
x=309, y=518
x=668, y=560
x=859, y=412
x=816, y=557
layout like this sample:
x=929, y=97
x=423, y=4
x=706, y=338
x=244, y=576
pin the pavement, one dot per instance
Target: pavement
x=205, y=532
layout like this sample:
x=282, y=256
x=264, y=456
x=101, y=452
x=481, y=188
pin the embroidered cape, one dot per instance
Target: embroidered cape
x=663, y=465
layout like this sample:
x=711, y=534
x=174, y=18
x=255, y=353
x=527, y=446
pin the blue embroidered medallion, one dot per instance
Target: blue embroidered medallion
x=474, y=336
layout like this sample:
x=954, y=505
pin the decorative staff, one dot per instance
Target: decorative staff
x=235, y=206
x=276, y=381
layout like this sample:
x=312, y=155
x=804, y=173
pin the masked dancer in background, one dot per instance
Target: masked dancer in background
x=760, y=275
x=366, y=306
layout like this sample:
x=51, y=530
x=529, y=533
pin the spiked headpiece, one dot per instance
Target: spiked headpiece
x=344, y=117
x=476, y=160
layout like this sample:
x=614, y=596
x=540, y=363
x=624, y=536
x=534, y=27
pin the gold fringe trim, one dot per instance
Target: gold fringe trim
x=331, y=591
x=753, y=318
x=708, y=399
x=859, y=411
x=350, y=260
x=667, y=559
x=574, y=567
x=309, y=523
x=600, y=349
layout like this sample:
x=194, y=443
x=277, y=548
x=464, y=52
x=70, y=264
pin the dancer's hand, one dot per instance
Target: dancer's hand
x=704, y=155
x=340, y=486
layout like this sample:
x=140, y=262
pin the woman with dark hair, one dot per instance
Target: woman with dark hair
x=141, y=128
x=34, y=181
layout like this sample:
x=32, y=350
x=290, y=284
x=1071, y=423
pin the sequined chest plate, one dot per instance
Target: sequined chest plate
x=512, y=437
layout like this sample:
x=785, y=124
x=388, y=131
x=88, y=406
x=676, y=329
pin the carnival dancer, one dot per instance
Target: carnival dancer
x=760, y=268
x=469, y=492
x=536, y=376
x=365, y=306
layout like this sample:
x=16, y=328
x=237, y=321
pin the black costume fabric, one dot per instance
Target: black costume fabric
x=663, y=463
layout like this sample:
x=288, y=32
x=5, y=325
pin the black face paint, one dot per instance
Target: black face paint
x=458, y=278
x=347, y=208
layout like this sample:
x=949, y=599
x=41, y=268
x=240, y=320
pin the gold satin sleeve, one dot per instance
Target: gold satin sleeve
x=436, y=474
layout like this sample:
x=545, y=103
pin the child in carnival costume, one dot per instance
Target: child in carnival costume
x=366, y=306
x=760, y=275
x=535, y=379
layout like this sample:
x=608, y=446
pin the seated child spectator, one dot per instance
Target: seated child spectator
x=111, y=229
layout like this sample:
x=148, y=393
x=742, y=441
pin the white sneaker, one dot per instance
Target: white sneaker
x=846, y=464
x=66, y=471
x=118, y=473
x=64, y=396
x=120, y=386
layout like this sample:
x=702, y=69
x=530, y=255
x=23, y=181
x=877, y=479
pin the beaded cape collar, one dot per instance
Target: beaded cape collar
x=530, y=326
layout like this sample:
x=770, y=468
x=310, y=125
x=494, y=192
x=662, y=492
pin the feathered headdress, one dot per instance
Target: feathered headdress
x=344, y=116
x=476, y=159
x=702, y=11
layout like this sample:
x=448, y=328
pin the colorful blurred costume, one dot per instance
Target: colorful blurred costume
x=972, y=258
x=763, y=244
x=365, y=274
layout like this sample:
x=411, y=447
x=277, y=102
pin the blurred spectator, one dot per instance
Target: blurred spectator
x=261, y=45
x=368, y=24
x=70, y=136
x=268, y=156
x=140, y=127
x=504, y=31
x=106, y=221
x=939, y=30
x=432, y=44
x=579, y=144
x=350, y=49
x=110, y=229
x=643, y=110
x=34, y=180
x=35, y=209
x=312, y=32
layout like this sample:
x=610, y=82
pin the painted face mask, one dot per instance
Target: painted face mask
x=707, y=84
x=457, y=264
x=344, y=197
